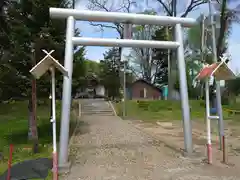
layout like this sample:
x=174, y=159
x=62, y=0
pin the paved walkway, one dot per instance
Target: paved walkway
x=108, y=148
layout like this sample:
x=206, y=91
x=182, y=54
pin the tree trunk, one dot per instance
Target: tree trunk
x=220, y=40
x=223, y=28
x=30, y=117
x=33, y=136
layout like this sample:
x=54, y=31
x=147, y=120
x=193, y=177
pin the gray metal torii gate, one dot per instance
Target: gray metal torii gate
x=128, y=18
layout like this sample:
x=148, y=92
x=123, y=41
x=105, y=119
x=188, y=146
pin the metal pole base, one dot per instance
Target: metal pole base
x=224, y=150
x=64, y=168
x=55, y=166
x=209, y=153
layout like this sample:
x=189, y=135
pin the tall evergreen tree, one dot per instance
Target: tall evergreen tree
x=160, y=58
x=109, y=72
x=28, y=29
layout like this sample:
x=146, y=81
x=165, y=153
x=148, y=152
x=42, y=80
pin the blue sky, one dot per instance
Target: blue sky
x=96, y=53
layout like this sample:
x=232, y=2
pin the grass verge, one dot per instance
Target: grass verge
x=14, y=130
x=159, y=110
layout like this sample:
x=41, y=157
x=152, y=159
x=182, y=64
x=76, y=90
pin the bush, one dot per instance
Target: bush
x=143, y=105
x=160, y=105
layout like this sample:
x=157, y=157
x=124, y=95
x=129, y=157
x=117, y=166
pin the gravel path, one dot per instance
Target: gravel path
x=108, y=148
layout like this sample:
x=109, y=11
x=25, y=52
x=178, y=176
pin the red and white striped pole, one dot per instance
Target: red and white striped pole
x=10, y=162
x=208, y=123
x=53, y=120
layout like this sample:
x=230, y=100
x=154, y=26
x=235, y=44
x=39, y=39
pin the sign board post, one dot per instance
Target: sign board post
x=219, y=71
x=49, y=63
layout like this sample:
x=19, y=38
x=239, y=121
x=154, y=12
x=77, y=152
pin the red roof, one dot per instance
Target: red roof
x=207, y=71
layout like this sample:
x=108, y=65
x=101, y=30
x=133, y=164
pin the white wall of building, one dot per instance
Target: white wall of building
x=100, y=90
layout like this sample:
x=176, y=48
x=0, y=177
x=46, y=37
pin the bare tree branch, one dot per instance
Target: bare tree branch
x=106, y=6
x=166, y=8
x=171, y=7
x=193, y=4
x=102, y=26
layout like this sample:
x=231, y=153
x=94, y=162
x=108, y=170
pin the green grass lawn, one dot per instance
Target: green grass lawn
x=14, y=130
x=159, y=110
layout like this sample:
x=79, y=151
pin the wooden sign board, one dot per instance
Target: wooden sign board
x=219, y=70
x=44, y=65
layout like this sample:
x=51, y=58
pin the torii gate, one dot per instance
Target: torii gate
x=220, y=71
x=126, y=18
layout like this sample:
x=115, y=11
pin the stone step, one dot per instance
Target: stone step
x=98, y=114
x=90, y=106
x=96, y=108
x=108, y=110
x=93, y=107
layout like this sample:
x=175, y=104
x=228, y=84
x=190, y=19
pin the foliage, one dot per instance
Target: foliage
x=160, y=58
x=229, y=12
x=160, y=110
x=169, y=8
x=233, y=86
x=29, y=28
x=14, y=130
x=149, y=64
x=110, y=73
x=141, y=59
x=152, y=110
x=92, y=67
x=79, y=70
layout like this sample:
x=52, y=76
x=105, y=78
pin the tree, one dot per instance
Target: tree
x=232, y=89
x=142, y=58
x=28, y=28
x=170, y=8
x=109, y=73
x=92, y=67
x=160, y=58
x=79, y=70
x=115, y=6
x=233, y=86
x=227, y=17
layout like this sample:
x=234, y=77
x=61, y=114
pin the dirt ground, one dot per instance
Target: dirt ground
x=108, y=148
x=172, y=135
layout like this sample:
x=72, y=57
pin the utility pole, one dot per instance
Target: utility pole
x=218, y=92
